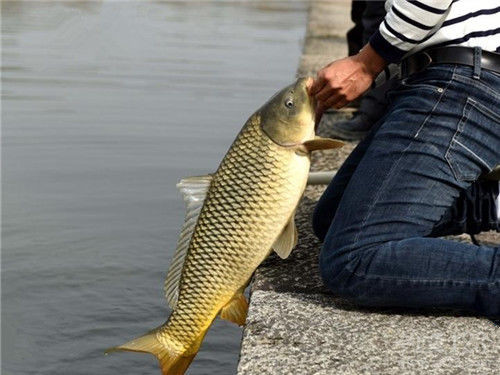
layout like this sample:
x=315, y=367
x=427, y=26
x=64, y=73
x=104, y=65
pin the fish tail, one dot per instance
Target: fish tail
x=172, y=362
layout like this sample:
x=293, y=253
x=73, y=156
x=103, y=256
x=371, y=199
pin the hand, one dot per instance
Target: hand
x=343, y=81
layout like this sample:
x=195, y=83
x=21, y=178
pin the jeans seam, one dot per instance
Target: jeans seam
x=461, y=124
x=469, y=105
x=439, y=100
x=436, y=281
x=469, y=81
x=485, y=111
x=476, y=155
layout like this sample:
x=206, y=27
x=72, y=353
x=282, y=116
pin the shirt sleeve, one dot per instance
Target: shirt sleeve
x=407, y=24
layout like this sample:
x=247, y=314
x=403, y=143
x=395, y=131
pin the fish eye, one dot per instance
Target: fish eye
x=289, y=103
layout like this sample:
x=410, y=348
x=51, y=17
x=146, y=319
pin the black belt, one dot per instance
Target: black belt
x=448, y=55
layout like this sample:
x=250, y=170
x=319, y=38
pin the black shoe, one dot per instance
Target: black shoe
x=354, y=129
x=474, y=211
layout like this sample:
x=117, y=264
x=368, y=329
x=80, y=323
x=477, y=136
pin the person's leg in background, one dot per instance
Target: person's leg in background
x=367, y=17
x=355, y=35
x=377, y=250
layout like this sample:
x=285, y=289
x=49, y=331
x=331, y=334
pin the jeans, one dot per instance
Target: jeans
x=377, y=217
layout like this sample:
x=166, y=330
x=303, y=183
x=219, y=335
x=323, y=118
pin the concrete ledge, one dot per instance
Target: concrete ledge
x=296, y=333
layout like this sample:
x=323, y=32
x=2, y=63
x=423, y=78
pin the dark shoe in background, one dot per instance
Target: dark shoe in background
x=372, y=108
x=474, y=211
x=366, y=16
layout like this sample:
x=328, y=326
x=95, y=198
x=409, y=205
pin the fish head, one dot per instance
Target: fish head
x=288, y=118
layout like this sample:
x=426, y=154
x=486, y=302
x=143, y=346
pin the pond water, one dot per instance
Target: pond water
x=105, y=106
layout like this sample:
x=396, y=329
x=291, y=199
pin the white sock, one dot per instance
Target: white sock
x=498, y=202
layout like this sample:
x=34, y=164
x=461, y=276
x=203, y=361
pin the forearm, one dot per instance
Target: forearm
x=372, y=62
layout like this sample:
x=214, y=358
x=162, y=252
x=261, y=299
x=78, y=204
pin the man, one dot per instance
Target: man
x=441, y=132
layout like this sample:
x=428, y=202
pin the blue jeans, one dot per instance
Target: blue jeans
x=377, y=217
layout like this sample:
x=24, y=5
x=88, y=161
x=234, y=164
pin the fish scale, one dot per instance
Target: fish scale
x=251, y=198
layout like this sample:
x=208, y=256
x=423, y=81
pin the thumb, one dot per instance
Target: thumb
x=320, y=109
x=317, y=85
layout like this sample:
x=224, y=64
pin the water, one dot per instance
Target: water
x=105, y=106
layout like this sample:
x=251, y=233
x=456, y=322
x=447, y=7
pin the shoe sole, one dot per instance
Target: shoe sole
x=348, y=135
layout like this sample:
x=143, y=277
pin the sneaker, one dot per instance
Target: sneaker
x=474, y=211
x=498, y=203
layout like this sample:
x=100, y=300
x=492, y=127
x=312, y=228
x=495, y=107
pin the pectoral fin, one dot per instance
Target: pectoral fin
x=320, y=143
x=236, y=310
x=287, y=239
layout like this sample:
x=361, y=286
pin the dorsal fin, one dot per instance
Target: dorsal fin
x=194, y=190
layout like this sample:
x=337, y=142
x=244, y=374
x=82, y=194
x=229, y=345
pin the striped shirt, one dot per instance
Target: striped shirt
x=410, y=26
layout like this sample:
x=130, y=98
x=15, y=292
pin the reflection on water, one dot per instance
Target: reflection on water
x=106, y=105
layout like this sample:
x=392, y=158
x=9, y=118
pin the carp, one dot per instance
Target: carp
x=234, y=218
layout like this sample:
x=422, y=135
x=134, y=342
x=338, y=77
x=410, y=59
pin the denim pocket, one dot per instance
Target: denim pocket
x=474, y=147
x=432, y=85
x=433, y=78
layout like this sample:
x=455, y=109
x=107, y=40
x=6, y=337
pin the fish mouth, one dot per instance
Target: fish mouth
x=312, y=101
x=305, y=84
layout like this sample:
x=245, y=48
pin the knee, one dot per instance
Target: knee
x=340, y=279
x=343, y=270
x=334, y=266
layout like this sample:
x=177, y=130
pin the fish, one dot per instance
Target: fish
x=235, y=218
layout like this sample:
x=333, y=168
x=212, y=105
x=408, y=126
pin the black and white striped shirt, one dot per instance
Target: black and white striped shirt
x=410, y=26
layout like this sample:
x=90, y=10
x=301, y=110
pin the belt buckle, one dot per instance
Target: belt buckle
x=415, y=64
x=425, y=62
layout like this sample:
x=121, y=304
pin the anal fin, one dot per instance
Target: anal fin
x=236, y=310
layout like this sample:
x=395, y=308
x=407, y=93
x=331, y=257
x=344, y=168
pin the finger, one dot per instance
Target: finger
x=317, y=117
x=340, y=104
x=325, y=94
x=335, y=102
x=317, y=85
x=320, y=109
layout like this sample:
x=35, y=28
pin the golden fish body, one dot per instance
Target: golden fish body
x=248, y=210
x=251, y=198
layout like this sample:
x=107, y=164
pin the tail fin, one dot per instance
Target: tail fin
x=171, y=362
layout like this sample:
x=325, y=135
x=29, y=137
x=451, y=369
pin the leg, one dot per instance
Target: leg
x=438, y=137
x=326, y=208
x=355, y=35
x=372, y=106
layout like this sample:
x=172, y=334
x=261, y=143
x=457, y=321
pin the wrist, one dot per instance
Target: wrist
x=372, y=62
